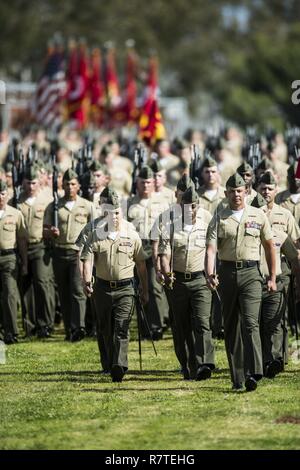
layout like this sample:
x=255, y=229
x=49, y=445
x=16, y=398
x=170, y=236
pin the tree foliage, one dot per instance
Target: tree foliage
x=245, y=53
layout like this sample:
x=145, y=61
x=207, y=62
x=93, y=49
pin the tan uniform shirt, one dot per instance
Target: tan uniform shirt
x=115, y=258
x=96, y=205
x=281, y=169
x=227, y=167
x=189, y=246
x=124, y=163
x=239, y=240
x=282, y=220
x=210, y=202
x=120, y=181
x=97, y=225
x=167, y=195
x=251, y=196
x=284, y=200
x=283, y=245
x=34, y=216
x=11, y=227
x=143, y=213
x=70, y=222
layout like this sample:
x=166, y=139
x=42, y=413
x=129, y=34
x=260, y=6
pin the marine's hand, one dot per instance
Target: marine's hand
x=88, y=289
x=212, y=281
x=271, y=285
x=55, y=232
x=160, y=278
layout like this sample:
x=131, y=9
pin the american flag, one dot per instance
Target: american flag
x=51, y=92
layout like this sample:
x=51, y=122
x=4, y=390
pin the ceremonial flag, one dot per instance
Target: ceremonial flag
x=51, y=90
x=96, y=89
x=130, y=109
x=112, y=83
x=77, y=92
x=151, y=127
x=113, y=96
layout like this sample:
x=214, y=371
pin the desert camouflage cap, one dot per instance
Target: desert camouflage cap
x=190, y=196
x=110, y=197
x=209, y=162
x=235, y=181
x=258, y=201
x=267, y=178
x=96, y=166
x=156, y=166
x=244, y=168
x=32, y=172
x=70, y=175
x=146, y=173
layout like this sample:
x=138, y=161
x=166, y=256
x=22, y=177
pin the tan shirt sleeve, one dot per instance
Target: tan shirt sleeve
x=212, y=235
x=21, y=229
x=289, y=250
x=292, y=228
x=87, y=247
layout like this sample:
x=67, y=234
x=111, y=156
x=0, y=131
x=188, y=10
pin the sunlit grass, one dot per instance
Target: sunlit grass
x=53, y=397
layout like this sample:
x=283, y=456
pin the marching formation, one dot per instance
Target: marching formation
x=200, y=235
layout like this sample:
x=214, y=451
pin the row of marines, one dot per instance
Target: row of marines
x=179, y=271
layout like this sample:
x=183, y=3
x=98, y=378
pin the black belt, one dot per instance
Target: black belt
x=115, y=284
x=188, y=276
x=7, y=252
x=240, y=264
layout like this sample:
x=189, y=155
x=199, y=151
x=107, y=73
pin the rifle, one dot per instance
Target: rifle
x=215, y=275
x=195, y=165
x=292, y=139
x=254, y=156
x=55, y=192
x=284, y=330
x=294, y=307
x=17, y=175
x=139, y=161
x=172, y=233
x=141, y=316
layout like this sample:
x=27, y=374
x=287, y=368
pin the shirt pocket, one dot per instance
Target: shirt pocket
x=251, y=238
x=9, y=231
x=200, y=242
x=125, y=254
x=80, y=219
x=37, y=220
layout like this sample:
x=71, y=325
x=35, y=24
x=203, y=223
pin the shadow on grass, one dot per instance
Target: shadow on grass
x=117, y=388
x=93, y=376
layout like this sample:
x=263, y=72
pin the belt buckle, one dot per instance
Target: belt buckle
x=113, y=284
x=187, y=276
x=239, y=264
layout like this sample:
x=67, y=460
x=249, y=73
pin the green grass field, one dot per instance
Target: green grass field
x=53, y=397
